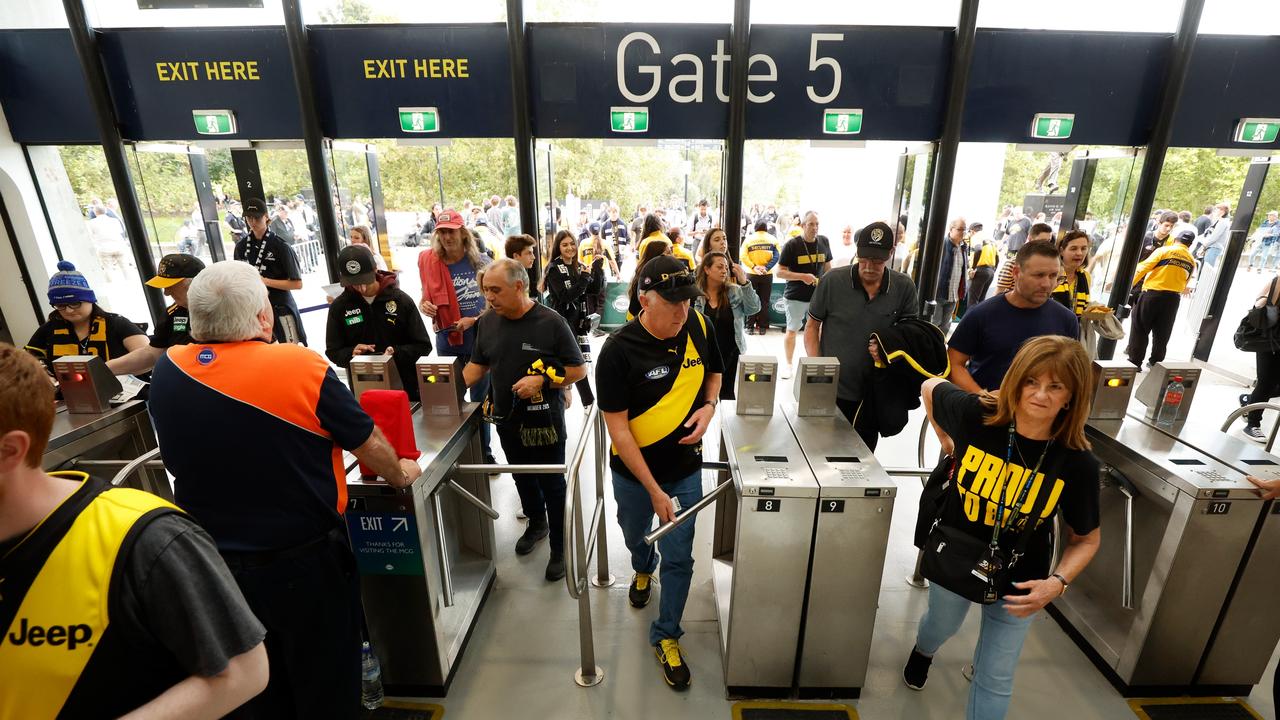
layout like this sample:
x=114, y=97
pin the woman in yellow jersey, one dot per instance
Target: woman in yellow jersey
x=646, y=252
x=760, y=254
x=651, y=231
x=1073, y=286
x=78, y=325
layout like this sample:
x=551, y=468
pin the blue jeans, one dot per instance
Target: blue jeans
x=635, y=515
x=1211, y=255
x=994, y=659
x=1266, y=250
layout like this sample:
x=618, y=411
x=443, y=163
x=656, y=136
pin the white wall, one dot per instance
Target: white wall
x=34, y=240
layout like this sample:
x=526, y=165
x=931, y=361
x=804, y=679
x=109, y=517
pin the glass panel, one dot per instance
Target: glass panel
x=1240, y=17
x=1152, y=16
x=32, y=14
x=654, y=11
x=1106, y=219
x=128, y=14
x=167, y=194
x=354, y=12
x=802, y=12
x=76, y=188
x=286, y=179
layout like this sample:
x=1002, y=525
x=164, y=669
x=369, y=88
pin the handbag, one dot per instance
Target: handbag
x=968, y=566
x=1259, y=329
x=932, y=498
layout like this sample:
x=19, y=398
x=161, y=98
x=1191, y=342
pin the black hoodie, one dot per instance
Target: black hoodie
x=390, y=321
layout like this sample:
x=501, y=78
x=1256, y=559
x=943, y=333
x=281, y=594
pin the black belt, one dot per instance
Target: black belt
x=244, y=560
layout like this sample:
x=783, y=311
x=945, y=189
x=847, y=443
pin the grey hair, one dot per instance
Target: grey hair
x=513, y=271
x=805, y=218
x=225, y=300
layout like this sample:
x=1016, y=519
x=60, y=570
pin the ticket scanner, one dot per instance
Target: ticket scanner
x=815, y=386
x=762, y=539
x=373, y=372
x=87, y=385
x=440, y=384
x=855, y=508
x=757, y=384
x=1151, y=388
x=1113, y=386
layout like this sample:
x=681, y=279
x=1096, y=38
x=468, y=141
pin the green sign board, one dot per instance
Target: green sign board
x=841, y=122
x=1052, y=126
x=1257, y=130
x=214, y=122
x=629, y=119
x=419, y=120
x=385, y=543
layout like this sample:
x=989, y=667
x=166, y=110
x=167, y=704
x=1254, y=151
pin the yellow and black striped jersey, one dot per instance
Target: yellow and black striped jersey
x=1077, y=299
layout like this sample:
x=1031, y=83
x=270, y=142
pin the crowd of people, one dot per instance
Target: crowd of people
x=997, y=364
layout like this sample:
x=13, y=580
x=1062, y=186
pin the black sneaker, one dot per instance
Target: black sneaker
x=536, y=531
x=555, y=567
x=1253, y=432
x=674, y=669
x=640, y=590
x=917, y=670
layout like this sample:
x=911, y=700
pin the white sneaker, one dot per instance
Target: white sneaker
x=785, y=371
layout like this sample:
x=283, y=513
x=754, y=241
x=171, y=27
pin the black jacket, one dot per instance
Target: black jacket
x=912, y=351
x=390, y=321
x=569, y=288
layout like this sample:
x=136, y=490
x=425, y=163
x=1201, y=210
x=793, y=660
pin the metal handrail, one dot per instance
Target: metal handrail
x=572, y=509
x=578, y=550
x=150, y=464
x=133, y=465
x=684, y=516
x=481, y=505
x=1275, y=429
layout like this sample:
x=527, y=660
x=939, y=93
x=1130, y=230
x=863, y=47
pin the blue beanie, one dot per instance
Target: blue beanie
x=68, y=285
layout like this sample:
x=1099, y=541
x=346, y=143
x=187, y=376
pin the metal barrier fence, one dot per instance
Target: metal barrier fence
x=308, y=252
x=1275, y=429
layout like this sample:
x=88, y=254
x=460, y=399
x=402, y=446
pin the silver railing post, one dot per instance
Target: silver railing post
x=603, y=577
x=578, y=552
x=915, y=579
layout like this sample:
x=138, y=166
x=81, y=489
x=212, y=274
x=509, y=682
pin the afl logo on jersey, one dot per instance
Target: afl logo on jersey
x=206, y=356
x=658, y=373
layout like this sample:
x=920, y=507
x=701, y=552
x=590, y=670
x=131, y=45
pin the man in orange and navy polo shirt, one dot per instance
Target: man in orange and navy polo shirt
x=253, y=433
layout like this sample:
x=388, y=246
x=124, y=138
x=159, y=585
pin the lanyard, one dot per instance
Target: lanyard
x=1022, y=494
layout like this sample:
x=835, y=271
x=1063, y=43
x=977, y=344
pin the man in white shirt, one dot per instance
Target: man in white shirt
x=108, y=234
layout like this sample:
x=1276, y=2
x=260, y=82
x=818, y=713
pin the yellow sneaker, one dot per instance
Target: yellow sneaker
x=641, y=588
x=674, y=669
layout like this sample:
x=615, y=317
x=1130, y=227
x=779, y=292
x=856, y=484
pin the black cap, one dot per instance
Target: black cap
x=175, y=268
x=594, y=228
x=670, y=277
x=1186, y=236
x=875, y=241
x=255, y=206
x=355, y=265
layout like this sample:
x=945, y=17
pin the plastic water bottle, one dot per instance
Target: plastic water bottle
x=1172, y=402
x=370, y=679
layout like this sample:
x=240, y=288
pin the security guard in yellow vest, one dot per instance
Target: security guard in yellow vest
x=1164, y=276
x=111, y=599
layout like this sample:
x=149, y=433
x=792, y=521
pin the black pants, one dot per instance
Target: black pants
x=310, y=605
x=978, y=285
x=1153, y=315
x=541, y=496
x=584, y=385
x=729, y=378
x=862, y=414
x=763, y=285
x=1268, y=383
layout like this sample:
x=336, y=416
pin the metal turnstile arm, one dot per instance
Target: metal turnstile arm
x=134, y=464
x=1126, y=575
x=1271, y=439
x=446, y=579
x=683, y=517
x=465, y=494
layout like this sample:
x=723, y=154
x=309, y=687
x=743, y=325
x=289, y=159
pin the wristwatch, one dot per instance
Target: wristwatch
x=1064, y=582
x=712, y=402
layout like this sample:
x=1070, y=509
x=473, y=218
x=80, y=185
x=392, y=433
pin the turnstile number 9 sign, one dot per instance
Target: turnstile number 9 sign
x=832, y=506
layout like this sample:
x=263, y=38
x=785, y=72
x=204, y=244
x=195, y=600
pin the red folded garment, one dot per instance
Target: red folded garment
x=390, y=412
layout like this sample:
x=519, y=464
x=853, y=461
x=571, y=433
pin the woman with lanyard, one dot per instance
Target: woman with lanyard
x=727, y=301
x=569, y=282
x=1073, y=286
x=986, y=520
x=78, y=326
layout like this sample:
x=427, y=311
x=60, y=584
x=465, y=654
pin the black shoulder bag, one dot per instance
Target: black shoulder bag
x=967, y=566
x=1259, y=329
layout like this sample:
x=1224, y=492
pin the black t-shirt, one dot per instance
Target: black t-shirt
x=726, y=334
x=509, y=347
x=274, y=260
x=1069, y=476
x=802, y=256
x=175, y=330
x=659, y=383
x=57, y=338
x=1018, y=230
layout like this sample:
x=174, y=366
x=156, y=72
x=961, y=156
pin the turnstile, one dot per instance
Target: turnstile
x=425, y=556
x=851, y=535
x=104, y=443
x=760, y=550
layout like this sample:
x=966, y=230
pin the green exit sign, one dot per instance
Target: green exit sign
x=214, y=122
x=419, y=120
x=841, y=122
x=629, y=119
x=1257, y=130
x=1052, y=126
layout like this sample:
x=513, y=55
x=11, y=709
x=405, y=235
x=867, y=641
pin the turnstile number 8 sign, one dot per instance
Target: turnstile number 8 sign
x=768, y=505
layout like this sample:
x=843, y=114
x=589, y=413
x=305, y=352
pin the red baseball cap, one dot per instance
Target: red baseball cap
x=449, y=219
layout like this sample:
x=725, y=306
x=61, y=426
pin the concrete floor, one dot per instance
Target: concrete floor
x=525, y=646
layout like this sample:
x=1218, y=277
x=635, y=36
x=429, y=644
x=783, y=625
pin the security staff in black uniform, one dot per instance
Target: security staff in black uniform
x=173, y=276
x=278, y=266
x=179, y=640
x=373, y=316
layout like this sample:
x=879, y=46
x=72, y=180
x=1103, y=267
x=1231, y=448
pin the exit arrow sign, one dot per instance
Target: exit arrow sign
x=629, y=119
x=841, y=122
x=419, y=120
x=1052, y=126
x=1257, y=130
x=214, y=122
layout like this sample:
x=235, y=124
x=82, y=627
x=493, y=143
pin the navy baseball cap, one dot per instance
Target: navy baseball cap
x=875, y=241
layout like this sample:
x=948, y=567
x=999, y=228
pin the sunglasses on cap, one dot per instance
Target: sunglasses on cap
x=68, y=306
x=671, y=281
